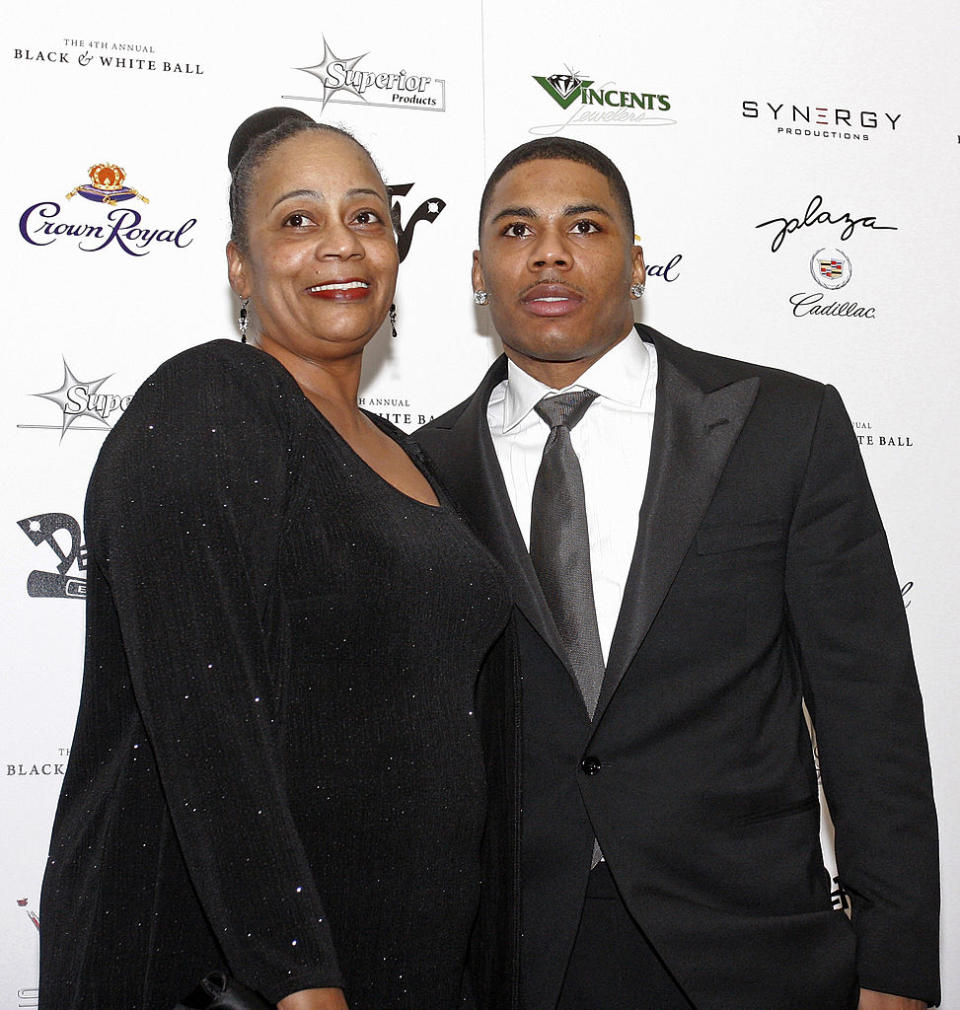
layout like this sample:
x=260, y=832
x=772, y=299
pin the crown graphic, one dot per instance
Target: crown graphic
x=106, y=185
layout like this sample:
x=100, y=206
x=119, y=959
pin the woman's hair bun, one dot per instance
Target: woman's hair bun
x=257, y=124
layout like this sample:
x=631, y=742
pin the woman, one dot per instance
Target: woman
x=277, y=769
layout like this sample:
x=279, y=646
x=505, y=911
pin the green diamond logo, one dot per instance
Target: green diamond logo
x=564, y=89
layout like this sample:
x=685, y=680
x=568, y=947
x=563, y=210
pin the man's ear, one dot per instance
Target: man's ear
x=639, y=268
x=237, y=271
x=476, y=273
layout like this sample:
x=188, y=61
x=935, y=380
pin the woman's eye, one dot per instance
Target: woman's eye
x=517, y=230
x=367, y=217
x=586, y=227
x=297, y=220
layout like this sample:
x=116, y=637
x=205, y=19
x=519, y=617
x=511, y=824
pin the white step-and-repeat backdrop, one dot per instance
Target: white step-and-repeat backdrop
x=794, y=172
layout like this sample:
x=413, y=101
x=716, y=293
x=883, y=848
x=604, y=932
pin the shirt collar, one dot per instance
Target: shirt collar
x=623, y=375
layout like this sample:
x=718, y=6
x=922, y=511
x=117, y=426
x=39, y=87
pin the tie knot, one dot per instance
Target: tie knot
x=565, y=409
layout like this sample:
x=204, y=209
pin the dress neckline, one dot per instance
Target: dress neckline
x=399, y=436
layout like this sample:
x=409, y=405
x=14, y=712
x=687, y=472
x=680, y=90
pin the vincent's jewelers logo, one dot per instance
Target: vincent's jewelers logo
x=42, y=225
x=830, y=268
x=596, y=104
x=824, y=122
x=61, y=534
x=82, y=399
x=564, y=89
x=344, y=82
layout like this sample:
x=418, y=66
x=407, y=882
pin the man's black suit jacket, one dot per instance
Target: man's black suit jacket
x=761, y=580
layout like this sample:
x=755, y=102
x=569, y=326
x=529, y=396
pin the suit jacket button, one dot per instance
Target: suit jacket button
x=590, y=765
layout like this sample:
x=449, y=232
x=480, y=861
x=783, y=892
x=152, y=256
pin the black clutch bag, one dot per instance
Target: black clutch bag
x=218, y=991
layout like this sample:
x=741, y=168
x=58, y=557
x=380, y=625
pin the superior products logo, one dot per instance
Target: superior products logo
x=608, y=103
x=82, y=398
x=345, y=82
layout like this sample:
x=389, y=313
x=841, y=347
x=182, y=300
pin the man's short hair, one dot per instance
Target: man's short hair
x=561, y=149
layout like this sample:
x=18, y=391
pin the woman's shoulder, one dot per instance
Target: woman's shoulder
x=220, y=362
x=219, y=379
x=218, y=411
x=222, y=397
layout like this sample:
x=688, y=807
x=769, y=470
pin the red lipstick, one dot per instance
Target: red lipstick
x=352, y=289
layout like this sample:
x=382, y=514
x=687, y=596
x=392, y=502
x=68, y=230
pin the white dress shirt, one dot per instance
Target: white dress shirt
x=612, y=442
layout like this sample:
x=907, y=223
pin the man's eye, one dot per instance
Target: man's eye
x=367, y=217
x=517, y=230
x=586, y=227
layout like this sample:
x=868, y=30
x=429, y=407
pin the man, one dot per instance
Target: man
x=696, y=554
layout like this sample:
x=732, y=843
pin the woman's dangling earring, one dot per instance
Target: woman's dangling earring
x=244, y=302
x=393, y=320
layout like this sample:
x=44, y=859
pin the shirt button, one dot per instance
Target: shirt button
x=590, y=765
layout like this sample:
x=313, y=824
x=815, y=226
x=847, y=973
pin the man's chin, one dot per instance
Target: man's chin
x=559, y=351
x=549, y=355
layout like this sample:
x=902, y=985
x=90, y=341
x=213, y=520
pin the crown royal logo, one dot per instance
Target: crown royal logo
x=107, y=186
x=41, y=224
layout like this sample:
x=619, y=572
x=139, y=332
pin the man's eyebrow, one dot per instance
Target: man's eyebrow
x=585, y=208
x=571, y=210
x=514, y=212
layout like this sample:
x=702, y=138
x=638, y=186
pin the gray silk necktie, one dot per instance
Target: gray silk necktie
x=560, y=543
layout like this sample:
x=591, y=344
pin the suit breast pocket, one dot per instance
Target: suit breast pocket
x=763, y=536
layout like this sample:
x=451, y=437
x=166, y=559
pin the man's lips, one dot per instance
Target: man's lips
x=351, y=290
x=551, y=300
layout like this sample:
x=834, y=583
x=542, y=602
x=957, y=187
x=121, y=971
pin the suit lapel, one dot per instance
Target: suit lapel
x=473, y=468
x=693, y=433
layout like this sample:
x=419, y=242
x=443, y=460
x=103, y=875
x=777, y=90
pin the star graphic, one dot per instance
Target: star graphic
x=433, y=207
x=71, y=409
x=321, y=70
